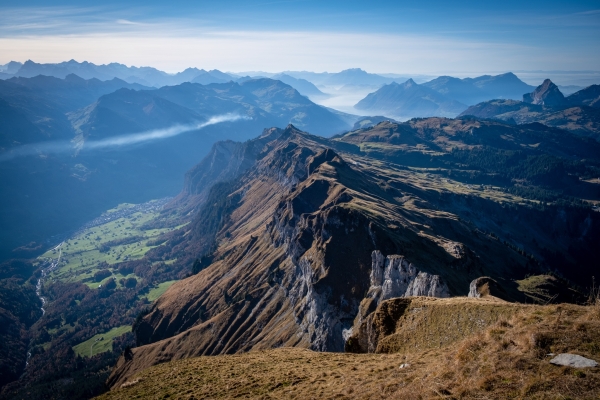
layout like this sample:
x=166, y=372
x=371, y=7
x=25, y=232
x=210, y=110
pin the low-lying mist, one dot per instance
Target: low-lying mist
x=54, y=147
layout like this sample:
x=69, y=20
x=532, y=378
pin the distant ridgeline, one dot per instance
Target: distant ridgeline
x=444, y=96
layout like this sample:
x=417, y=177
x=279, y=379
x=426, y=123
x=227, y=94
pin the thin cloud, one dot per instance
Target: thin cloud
x=61, y=147
x=127, y=22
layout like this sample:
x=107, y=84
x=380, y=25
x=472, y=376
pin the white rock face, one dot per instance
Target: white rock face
x=394, y=276
x=427, y=285
x=473, y=292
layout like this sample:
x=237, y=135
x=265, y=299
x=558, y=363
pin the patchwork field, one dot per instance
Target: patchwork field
x=122, y=237
x=91, y=257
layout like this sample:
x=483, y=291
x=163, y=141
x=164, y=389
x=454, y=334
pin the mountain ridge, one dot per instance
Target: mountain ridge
x=289, y=261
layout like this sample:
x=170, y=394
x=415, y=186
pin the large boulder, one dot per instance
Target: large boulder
x=573, y=360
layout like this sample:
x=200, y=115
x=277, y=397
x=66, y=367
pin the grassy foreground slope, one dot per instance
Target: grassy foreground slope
x=504, y=356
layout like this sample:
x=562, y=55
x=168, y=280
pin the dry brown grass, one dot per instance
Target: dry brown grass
x=508, y=359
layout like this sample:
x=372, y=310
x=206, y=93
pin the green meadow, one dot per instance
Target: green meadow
x=101, y=342
x=119, y=240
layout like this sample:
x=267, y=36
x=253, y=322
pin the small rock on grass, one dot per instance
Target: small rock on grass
x=573, y=360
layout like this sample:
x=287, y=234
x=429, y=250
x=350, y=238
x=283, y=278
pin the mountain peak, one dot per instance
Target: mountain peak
x=74, y=78
x=547, y=94
x=409, y=83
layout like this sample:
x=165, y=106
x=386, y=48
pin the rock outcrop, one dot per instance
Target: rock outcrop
x=394, y=276
x=487, y=287
x=547, y=94
x=484, y=286
x=405, y=323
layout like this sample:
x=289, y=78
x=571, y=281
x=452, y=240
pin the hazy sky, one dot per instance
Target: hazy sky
x=411, y=37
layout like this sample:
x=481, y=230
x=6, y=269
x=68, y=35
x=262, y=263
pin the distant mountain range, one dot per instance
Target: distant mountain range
x=444, y=96
x=352, y=76
x=35, y=109
x=475, y=90
x=408, y=100
x=578, y=112
x=146, y=76
x=303, y=86
x=351, y=83
x=71, y=113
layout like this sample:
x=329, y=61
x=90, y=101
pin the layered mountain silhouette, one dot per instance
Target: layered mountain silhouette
x=35, y=109
x=146, y=76
x=352, y=76
x=578, y=112
x=299, y=224
x=409, y=100
x=303, y=86
x=475, y=90
x=75, y=111
x=212, y=76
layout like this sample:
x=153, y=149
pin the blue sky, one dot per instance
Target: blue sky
x=416, y=37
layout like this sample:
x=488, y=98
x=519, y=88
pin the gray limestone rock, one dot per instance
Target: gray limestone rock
x=427, y=285
x=394, y=276
x=573, y=360
x=486, y=286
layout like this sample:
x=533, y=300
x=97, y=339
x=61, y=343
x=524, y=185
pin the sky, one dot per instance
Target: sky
x=404, y=37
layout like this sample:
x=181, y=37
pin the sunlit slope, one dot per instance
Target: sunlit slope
x=497, y=350
x=287, y=245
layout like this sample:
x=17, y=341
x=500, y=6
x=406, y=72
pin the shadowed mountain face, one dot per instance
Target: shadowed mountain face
x=57, y=192
x=475, y=90
x=290, y=223
x=589, y=96
x=214, y=76
x=409, y=100
x=41, y=105
x=578, y=113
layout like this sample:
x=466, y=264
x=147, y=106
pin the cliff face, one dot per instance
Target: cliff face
x=394, y=276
